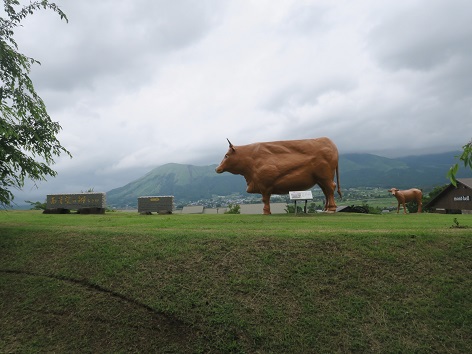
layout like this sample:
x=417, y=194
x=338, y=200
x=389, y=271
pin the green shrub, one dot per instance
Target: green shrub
x=233, y=209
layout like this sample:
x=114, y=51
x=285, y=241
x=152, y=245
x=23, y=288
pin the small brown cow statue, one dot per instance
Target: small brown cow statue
x=281, y=166
x=405, y=196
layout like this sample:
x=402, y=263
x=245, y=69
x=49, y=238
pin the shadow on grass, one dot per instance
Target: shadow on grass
x=69, y=314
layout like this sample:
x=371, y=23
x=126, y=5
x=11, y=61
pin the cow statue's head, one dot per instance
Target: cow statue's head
x=393, y=190
x=228, y=162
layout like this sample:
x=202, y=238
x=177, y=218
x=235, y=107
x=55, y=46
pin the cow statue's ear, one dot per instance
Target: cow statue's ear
x=231, y=145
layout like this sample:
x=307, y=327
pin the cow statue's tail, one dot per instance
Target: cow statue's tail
x=337, y=182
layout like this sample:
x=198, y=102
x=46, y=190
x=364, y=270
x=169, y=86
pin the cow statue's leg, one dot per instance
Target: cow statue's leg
x=420, y=205
x=266, y=201
x=328, y=189
x=325, y=193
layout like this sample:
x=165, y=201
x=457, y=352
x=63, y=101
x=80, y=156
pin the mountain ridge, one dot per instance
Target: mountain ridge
x=189, y=183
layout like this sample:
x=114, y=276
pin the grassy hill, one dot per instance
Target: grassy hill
x=324, y=283
x=191, y=183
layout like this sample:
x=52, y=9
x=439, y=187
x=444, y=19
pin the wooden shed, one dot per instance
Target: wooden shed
x=454, y=200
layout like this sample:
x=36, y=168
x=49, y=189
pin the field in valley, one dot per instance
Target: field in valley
x=322, y=283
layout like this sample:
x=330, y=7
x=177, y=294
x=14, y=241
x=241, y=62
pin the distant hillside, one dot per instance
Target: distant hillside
x=191, y=183
x=184, y=182
x=425, y=171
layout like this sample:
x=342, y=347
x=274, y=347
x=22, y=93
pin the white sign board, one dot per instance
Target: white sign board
x=300, y=195
x=462, y=198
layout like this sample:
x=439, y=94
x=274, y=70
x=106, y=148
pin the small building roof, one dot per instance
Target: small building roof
x=466, y=182
x=461, y=182
x=275, y=208
x=193, y=209
x=214, y=210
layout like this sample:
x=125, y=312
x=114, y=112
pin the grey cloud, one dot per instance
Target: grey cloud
x=125, y=45
x=176, y=24
x=452, y=81
x=306, y=19
x=423, y=37
x=299, y=94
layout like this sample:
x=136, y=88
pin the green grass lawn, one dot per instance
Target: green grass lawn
x=323, y=283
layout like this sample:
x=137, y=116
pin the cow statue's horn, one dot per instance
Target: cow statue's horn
x=230, y=145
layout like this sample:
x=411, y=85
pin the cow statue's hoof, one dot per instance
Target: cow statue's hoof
x=331, y=209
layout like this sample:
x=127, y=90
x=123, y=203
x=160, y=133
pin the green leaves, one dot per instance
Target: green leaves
x=466, y=158
x=451, y=174
x=27, y=132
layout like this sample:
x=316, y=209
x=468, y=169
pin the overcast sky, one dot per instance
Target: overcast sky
x=139, y=83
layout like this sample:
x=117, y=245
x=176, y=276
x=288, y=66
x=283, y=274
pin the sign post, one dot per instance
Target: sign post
x=84, y=203
x=300, y=195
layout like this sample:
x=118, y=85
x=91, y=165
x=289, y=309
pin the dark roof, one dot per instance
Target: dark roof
x=464, y=181
x=352, y=209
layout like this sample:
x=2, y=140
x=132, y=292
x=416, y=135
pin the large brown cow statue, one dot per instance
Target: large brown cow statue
x=409, y=195
x=282, y=166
